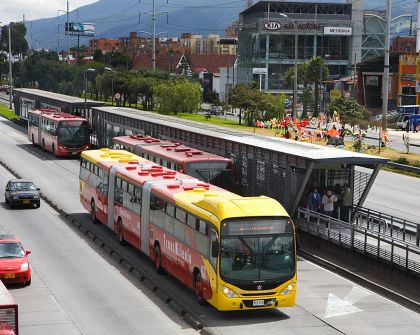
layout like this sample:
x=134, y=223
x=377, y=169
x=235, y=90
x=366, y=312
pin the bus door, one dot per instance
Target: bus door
x=111, y=196
x=39, y=116
x=144, y=219
x=213, y=260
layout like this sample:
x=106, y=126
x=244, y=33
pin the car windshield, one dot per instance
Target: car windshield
x=23, y=186
x=73, y=134
x=11, y=250
x=264, y=257
x=218, y=173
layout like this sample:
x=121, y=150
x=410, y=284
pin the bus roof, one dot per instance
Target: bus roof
x=109, y=157
x=195, y=196
x=52, y=114
x=168, y=150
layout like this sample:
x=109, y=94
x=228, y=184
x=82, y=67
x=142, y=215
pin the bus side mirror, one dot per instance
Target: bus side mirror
x=214, y=249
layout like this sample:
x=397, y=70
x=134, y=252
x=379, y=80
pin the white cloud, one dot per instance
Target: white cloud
x=13, y=10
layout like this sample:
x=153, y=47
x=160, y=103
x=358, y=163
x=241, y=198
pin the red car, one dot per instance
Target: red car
x=14, y=263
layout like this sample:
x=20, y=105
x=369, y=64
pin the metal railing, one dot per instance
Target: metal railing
x=371, y=242
x=388, y=225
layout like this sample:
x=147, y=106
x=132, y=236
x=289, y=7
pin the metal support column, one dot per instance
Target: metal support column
x=302, y=188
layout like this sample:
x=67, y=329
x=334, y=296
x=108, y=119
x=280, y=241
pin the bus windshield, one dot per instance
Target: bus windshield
x=257, y=250
x=214, y=172
x=73, y=133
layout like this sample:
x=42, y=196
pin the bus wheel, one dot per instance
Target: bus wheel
x=43, y=146
x=33, y=139
x=120, y=232
x=53, y=150
x=93, y=211
x=158, y=260
x=198, y=289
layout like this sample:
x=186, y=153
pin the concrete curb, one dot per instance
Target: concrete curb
x=183, y=311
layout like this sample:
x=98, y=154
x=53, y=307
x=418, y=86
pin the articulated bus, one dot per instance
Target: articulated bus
x=60, y=133
x=236, y=253
x=205, y=166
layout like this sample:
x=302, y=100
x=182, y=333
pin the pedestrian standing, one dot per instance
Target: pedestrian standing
x=328, y=201
x=314, y=200
x=347, y=202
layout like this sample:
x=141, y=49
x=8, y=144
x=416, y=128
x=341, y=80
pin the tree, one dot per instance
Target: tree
x=98, y=56
x=19, y=43
x=307, y=100
x=316, y=71
x=274, y=106
x=177, y=96
x=351, y=112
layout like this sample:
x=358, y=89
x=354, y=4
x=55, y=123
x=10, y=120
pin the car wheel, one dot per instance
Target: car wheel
x=6, y=200
x=158, y=260
x=28, y=282
x=38, y=205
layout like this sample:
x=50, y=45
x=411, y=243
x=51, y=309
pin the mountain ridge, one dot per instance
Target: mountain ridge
x=114, y=19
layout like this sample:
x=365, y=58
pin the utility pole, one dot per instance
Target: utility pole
x=386, y=66
x=67, y=33
x=10, y=69
x=153, y=15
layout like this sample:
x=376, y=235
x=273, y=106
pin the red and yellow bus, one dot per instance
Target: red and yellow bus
x=60, y=133
x=9, y=324
x=236, y=253
x=213, y=169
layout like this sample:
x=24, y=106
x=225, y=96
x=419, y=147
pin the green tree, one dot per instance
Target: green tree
x=274, y=106
x=19, y=43
x=316, y=71
x=307, y=100
x=177, y=96
x=351, y=112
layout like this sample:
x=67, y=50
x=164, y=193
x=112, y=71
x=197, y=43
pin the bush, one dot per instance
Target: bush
x=402, y=160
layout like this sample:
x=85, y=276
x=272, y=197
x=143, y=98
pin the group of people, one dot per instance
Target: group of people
x=328, y=204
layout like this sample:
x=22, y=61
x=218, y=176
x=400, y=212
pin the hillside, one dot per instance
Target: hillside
x=117, y=18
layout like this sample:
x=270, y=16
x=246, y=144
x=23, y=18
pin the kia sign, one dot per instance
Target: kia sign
x=272, y=25
x=342, y=31
x=259, y=70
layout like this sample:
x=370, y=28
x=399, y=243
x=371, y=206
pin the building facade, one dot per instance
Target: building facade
x=404, y=44
x=104, y=44
x=267, y=39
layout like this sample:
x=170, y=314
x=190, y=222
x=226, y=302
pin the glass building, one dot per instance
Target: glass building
x=267, y=39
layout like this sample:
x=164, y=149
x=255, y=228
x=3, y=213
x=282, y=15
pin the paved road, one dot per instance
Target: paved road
x=75, y=290
x=327, y=303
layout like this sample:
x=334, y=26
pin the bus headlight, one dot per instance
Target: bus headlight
x=24, y=267
x=288, y=289
x=228, y=292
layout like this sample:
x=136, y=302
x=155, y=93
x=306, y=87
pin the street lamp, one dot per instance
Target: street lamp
x=85, y=79
x=295, y=79
x=112, y=82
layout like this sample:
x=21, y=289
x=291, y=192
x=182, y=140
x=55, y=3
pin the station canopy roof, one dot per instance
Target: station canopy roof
x=57, y=96
x=317, y=153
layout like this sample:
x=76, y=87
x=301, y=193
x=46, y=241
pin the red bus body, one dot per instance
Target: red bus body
x=8, y=313
x=175, y=219
x=211, y=168
x=60, y=133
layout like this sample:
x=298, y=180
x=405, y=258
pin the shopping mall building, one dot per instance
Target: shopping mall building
x=267, y=34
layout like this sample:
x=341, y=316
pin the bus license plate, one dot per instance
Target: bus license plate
x=9, y=275
x=257, y=303
x=25, y=202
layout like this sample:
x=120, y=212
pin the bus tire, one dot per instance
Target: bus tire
x=120, y=232
x=43, y=145
x=33, y=140
x=158, y=260
x=93, y=211
x=53, y=150
x=198, y=288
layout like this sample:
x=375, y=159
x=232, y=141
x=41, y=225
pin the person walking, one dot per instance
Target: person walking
x=328, y=201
